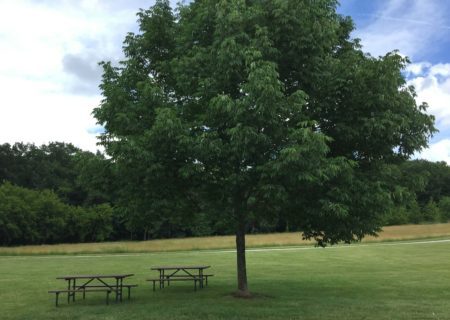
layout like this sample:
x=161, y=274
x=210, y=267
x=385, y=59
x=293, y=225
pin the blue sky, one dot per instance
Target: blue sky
x=49, y=51
x=419, y=29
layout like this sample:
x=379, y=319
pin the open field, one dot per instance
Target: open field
x=395, y=280
x=406, y=232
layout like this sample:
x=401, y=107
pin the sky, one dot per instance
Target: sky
x=50, y=49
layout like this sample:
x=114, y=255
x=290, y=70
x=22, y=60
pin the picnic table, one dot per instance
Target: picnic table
x=94, y=283
x=181, y=273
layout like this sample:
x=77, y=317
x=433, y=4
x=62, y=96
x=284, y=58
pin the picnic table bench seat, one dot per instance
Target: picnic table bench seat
x=180, y=277
x=128, y=286
x=175, y=276
x=91, y=289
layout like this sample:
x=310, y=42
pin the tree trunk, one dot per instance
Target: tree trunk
x=145, y=234
x=241, y=264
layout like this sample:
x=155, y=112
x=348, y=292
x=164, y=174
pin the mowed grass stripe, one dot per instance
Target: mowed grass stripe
x=219, y=251
x=393, y=233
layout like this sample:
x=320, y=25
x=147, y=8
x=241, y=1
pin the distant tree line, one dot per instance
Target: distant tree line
x=58, y=193
x=40, y=216
x=48, y=194
x=421, y=192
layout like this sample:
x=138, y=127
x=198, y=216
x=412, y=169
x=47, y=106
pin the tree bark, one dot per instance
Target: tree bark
x=241, y=263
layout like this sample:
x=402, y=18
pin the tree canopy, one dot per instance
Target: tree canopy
x=258, y=110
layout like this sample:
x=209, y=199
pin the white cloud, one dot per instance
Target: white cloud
x=433, y=87
x=410, y=26
x=441, y=69
x=432, y=83
x=38, y=113
x=439, y=151
x=416, y=69
x=48, y=72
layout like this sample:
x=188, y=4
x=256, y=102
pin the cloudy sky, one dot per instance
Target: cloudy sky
x=49, y=51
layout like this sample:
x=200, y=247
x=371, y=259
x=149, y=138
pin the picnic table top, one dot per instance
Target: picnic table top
x=178, y=267
x=90, y=276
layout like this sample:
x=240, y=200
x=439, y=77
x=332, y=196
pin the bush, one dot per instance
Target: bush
x=431, y=212
x=30, y=217
x=397, y=216
x=444, y=206
x=37, y=217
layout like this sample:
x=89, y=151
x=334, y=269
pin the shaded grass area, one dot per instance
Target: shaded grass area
x=374, y=281
x=391, y=233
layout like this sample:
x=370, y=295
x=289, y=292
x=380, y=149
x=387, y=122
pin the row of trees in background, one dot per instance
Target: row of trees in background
x=39, y=216
x=71, y=173
x=48, y=194
x=421, y=193
x=58, y=193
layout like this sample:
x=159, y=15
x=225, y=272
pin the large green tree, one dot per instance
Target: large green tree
x=257, y=109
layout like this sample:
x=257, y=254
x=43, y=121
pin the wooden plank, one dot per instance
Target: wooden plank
x=179, y=267
x=80, y=290
x=90, y=276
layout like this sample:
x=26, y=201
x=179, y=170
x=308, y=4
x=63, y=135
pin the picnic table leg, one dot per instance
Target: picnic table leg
x=68, y=292
x=117, y=289
x=107, y=296
x=121, y=288
x=200, y=273
x=73, y=293
x=57, y=296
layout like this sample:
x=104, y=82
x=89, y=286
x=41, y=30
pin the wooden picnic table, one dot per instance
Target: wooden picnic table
x=180, y=273
x=96, y=282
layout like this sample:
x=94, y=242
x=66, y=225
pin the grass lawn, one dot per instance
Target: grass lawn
x=371, y=281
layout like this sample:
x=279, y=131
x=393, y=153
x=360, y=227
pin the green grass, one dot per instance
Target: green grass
x=371, y=281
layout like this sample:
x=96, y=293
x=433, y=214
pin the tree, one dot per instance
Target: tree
x=31, y=217
x=51, y=166
x=90, y=224
x=94, y=177
x=444, y=206
x=39, y=216
x=258, y=110
x=433, y=177
x=77, y=177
